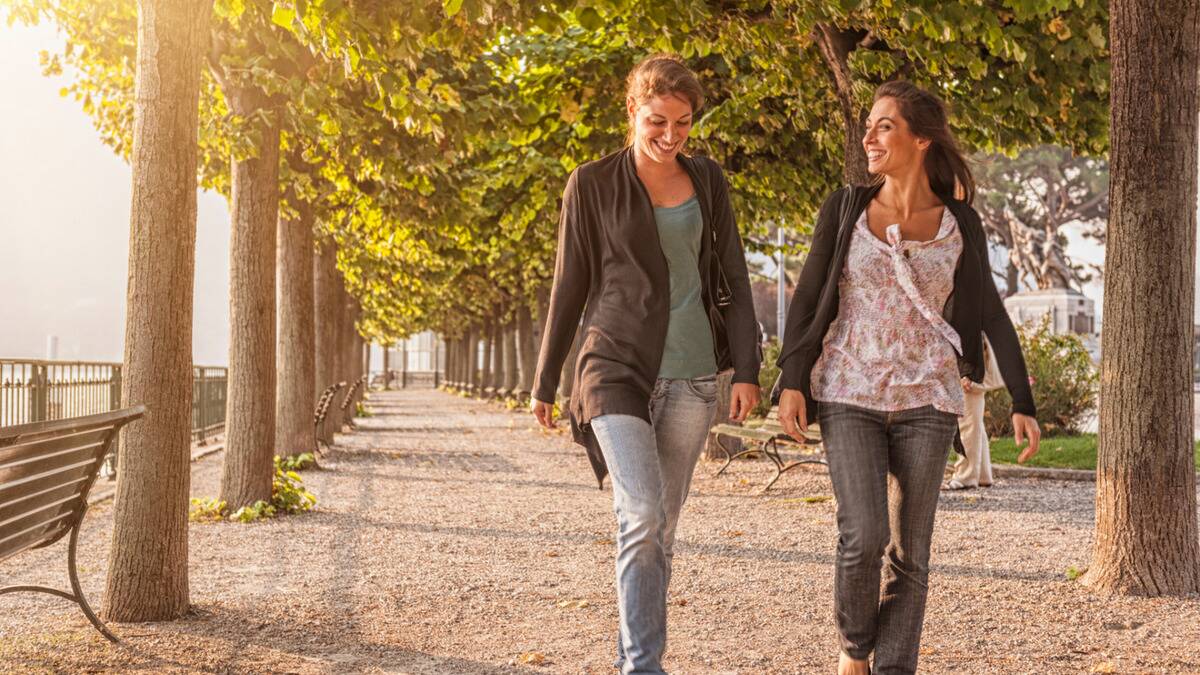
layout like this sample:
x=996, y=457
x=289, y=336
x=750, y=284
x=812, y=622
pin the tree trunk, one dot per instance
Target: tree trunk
x=497, y=357
x=324, y=318
x=148, y=566
x=526, y=350
x=250, y=418
x=1146, y=539
x=471, y=352
x=296, y=373
x=512, y=378
x=485, y=373
x=387, y=367
x=337, y=328
x=1012, y=280
x=712, y=451
x=835, y=46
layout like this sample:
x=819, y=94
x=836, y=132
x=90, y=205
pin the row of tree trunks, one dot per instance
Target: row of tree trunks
x=471, y=354
x=250, y=422
x=326, y=315
x=489, y=342
x=296, y=396
x=147, y=570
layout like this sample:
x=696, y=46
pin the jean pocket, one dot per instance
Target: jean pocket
x=703, y=388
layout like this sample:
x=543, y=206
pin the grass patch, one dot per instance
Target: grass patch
x=1058, y=452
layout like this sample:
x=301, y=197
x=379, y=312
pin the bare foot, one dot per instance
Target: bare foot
x=849, y=666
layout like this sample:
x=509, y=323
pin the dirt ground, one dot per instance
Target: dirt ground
x=452, y=536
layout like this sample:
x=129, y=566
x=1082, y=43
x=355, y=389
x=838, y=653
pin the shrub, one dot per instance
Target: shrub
x=766, y=377
x=287, y=496
x=300, y=462
x=1065, y=383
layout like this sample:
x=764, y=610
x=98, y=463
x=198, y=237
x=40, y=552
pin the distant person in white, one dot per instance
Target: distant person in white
x=974, y=466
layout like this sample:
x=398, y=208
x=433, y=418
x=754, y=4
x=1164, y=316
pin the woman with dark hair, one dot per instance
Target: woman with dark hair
x=649, y=253
x=889, y=312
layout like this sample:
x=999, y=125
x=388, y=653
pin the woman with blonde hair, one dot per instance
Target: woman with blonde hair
x=649, y=254
x=890, y=311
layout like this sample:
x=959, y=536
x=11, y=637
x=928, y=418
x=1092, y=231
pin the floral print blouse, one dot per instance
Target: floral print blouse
x=889, y=348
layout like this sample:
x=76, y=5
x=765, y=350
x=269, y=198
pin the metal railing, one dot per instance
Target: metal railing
x=37, y=391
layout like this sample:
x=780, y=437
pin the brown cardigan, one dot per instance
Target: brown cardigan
x=611, y=269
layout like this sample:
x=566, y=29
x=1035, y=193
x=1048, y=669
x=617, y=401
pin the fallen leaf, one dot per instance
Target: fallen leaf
x=681, y=602
x=532, y=658
x=1104, y=667
x=573, y=604
x=733, y=533
x=604, y=542
x=551, y=554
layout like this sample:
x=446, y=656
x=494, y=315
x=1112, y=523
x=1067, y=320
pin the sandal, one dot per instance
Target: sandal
x=955, y=484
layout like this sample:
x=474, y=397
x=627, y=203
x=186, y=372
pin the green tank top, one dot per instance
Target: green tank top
x=688, y=352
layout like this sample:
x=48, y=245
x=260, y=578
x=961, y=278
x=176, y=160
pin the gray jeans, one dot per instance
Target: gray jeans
x=886, y=469
x=651, y=467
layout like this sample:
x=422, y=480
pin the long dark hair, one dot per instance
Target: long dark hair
x=926, y=116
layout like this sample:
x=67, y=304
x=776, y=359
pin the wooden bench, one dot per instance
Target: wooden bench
x=766, y=438
x=46, y=471
x=351, y=399
x=324, y=402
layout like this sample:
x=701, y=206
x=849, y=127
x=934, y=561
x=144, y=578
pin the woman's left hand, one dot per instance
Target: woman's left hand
x=742, y=400
x=1024, y=427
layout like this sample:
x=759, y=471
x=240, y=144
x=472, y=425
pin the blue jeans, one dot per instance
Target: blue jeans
x=651, y=467
x=886, y=469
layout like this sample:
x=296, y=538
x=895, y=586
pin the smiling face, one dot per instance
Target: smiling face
x=889, y=142
x=660, y=126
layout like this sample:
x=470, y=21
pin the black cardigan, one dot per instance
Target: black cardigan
x=611, y=269
x=973, y=307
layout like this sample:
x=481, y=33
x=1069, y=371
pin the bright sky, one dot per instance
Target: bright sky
x=64, y=225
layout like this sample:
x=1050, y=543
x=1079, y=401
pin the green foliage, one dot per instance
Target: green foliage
x=1074, y=572
x=300, y=462
x=433, y=137
x=361, y=410
x=1065, y=383
x=1058, y=452
x=288, y=495
x=206, y=510
x=767, y=375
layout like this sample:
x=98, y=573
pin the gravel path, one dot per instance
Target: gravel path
x=452, y=536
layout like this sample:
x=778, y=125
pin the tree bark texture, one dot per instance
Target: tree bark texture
x=250, y=413
x=471, y=350
x=512, y=378
x=835, y=47
x=387, y=367
x=526, y=349
x=148, y=566
x=713, y=452
x=296, y=356
x=1146, y=539
x=485, y=372
x=324, y=319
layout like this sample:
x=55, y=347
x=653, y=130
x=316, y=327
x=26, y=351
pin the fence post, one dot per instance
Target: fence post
x=114, y=391
x=37, y=393
x=199, y=391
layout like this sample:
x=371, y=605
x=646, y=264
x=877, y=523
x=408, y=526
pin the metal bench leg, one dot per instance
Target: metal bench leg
x=755, y=449
x=83, y=603
x=781, y=469
x=77, y=596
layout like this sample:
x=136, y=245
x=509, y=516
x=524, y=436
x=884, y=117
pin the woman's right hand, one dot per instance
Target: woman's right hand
x=792, y=414
x=544, y=412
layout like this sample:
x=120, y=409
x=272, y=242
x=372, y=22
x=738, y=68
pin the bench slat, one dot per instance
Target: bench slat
x=12, y=476
x=27, y=449
x=13, y=489
x=35, y=533
x=41, y=499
